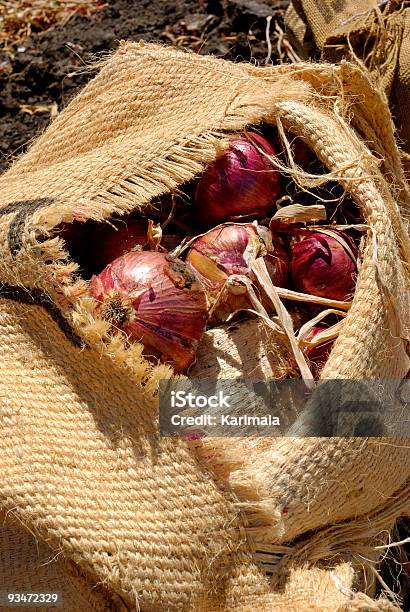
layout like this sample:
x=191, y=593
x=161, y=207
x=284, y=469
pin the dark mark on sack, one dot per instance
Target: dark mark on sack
x=23, y=208
x=37, y=297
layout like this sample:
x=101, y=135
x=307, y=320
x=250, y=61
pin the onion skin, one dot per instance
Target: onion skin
x=229, y=249
x=321, y=266
x=240, y=183
x=156, y=300
x=319, y=354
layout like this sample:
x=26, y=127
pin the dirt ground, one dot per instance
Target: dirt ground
x=39, y=75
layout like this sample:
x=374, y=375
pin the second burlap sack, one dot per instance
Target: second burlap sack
x=373, y=33
x=156, y=521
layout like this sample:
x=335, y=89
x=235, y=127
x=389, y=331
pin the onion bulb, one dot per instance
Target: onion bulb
x=111, y=240
x=319, y=354
x=155, y=299
x=230, y=249
x=241, y=183
x=323, y=263
x=302, y=154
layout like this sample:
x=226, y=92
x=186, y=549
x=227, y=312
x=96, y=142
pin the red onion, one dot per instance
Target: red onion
x=170, y=242
x=319, y=354
x=110, y=241
x=156, y=300
x=302, y=155
x=229, y=249
x=73, y=235
x=241, y=183
x=323, y=263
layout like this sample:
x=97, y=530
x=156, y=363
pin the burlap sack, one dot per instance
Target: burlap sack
x=157, y=521
x=30, y=566
x=373, y=33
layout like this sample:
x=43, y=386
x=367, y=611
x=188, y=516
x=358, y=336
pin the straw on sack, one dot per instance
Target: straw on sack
x=150, y=517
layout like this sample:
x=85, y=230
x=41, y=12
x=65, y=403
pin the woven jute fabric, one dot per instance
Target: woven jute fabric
x=374, y=34
x=28, y=565
x=165, y=523
x=245, y=349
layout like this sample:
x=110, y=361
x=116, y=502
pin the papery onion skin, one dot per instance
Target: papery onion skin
x=154, y=299
x=319, y=354
x=321, y=266
x=242, y=182
x=229, y=249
